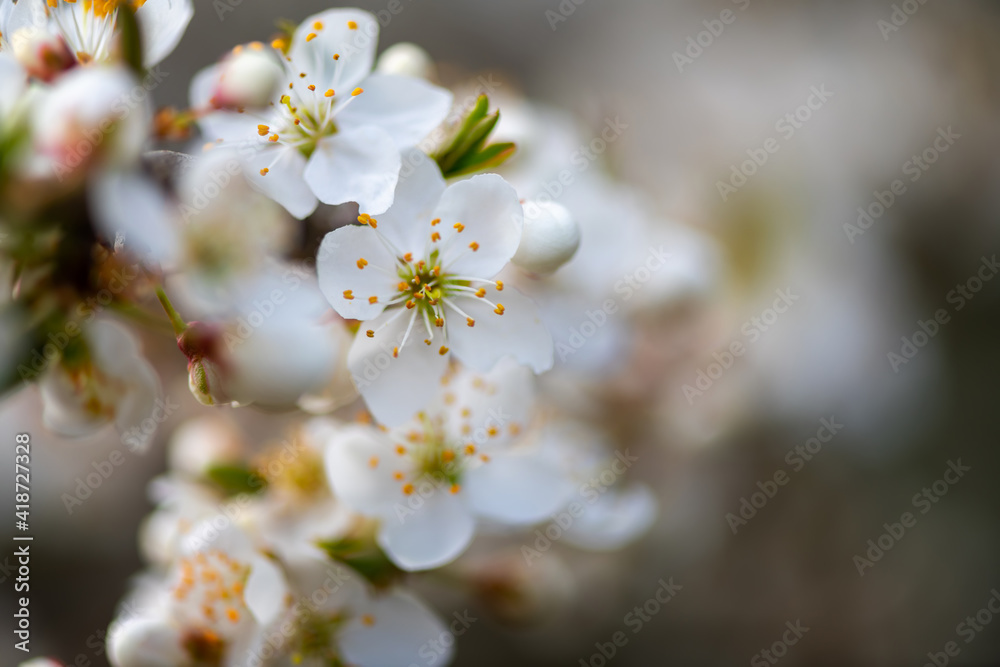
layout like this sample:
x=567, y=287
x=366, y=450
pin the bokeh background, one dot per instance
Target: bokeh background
x=892, y=91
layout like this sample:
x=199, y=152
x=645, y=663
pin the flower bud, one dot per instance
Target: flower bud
x=406, y=59
x=247, y=78
x=549, y=239
x=43, y=54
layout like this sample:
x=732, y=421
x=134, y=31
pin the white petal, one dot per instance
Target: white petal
x=163, y=23
x=338, y=271
x=359, y=165
x=395, y=388
x=265, y=590
x=517, y=488
x=407, y=108
x=13, y=81
x=502, y=399
x=366, y=489
x=228, y=126
x=432, y=535
x=285, y=179
x=128, y=203
x=614, y=520
x=490, y=210
x=145, y=642
x=407, y=222
x=403, y=628
x=519, y=332
x=354, y=46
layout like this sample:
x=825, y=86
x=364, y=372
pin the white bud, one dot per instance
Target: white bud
x=145, y=642
x=199, y=444
x=549, y=239
x=43, y=54
x=249, y=78
x=406, y=59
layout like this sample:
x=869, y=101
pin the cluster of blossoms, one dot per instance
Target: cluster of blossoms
x=411, y=316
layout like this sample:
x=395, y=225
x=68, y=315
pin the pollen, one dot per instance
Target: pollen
x=408, y=257
x=398, y=476
x=263, y=172
x=435, y=222
x=368, y=620
x=349, y=294
x=448, y=455
x=499, y=285
x=410, y=304
x=279, y=44
x=435, y=237
x=402, y=287
x=256, y=46
x=474, y=246
x=373, y=299
x=357, y=91
x=395, y=352
x=460, y=227
x=370, y=333
x=443, y=351
x=373, y=462
x=273, y=138
x=470, y=449
x=362, y=263
x=262, y=130
x=515, y=429
x=318, y=25
x=329, y=93
x=310, y=37
x=485, y=458
x=232, y=615
x=481, y=292
x=493, y=432
x=455, y=488
x=499, y=310
x=427, y=341
x=400, y=450
x=312, y=87
x=353, y=25
x=336, y=56
x=439, y=322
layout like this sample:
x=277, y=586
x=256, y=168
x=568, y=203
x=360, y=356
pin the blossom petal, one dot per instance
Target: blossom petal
x=348, y=457
x=284, y=180
x=13, y=81
x=353, y=260
x=614, y=520
x=488, y=409
x=265, y=590
x=395, y=388
x=405, y=107
x=359, y=165
x=434, y=534
x=518, y=332
x=334, y=35
x=490, y=215
x=398, y=615
x=126, y=202
x=229, y=126
x=517, y=488
x=407, y=222
x=163, y=23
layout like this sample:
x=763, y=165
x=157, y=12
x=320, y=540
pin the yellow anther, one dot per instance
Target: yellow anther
x=311, y=87
x=443, y=351
x=310, y=37
x=232, y=615
x=481, y=292
x=318, y=25
x=373, y=299
x=352, y=25
x=336, y=56
x=408, y=257
x=263, y=172
x=474, y=246
x=427, y=341
x=262, y=130
x=492, y=431
x=402, y=287
x=410, y=304
x=349, y=294
x=435, y=237
x=368, y=620
x=373, y=462
x=439, y=322
x=256, y=46
x=499, y=309
x=395, y=352
x=407, y=489
x=455, y=488
x=362, y=263
x=470, y=449
x=398, y=476
x=499, y=285
x=448, y=455
x=279, y=44
x=471, y=322
x=357, y=91
x=329, y=93
x=273, y=138
x=370, y=333
x=460, y=227
x=435, y=222
x=400, y=450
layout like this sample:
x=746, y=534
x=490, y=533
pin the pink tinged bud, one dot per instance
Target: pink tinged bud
x=42, y=54
x=248, y=78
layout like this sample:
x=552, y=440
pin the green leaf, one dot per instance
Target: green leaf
x=490, y=157
x=234, y=479
x=365, y=558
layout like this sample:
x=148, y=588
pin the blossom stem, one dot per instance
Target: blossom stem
x=176, y=321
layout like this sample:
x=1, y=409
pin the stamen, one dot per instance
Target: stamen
x=349, y=294
x=362, y=263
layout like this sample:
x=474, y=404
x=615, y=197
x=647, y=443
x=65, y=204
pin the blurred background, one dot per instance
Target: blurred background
x=771, y=128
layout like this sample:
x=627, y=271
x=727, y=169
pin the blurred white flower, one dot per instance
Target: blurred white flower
x=247, y=77
x=405, y=59
x=213, y=608
x=469, y=457
x=101, y=378
x=87, y=29
x=421, y=279
x=335, y=133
